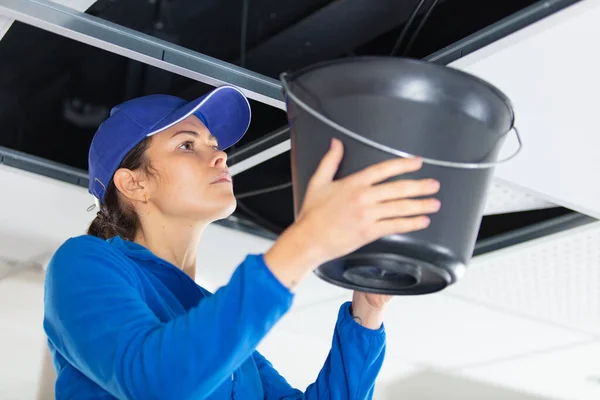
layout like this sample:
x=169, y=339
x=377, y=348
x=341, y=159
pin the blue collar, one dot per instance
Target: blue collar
x=132, y=249
x=137, y=251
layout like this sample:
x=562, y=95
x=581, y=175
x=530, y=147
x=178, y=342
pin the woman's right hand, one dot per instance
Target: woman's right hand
x=340, y=216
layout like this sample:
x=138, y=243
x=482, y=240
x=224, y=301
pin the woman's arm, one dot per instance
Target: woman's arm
x=349, y=372
x=97, y=318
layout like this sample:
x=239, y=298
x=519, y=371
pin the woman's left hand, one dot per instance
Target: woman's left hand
x=368, y=308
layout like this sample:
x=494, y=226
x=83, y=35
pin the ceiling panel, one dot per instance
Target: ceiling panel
x=299, y=358
x=555, y=279
x=436, y=385
x=443, y=332
x=21, y=334
x=549, y=71
x=41, y=210
x=20, y=363
x=21, y=301
x=503, y=198
x=572, y=373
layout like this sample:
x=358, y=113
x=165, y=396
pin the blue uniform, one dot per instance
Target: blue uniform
x=123, y=323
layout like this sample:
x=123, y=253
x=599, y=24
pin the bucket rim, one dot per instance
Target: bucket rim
x=322, y=64
x=390, y=150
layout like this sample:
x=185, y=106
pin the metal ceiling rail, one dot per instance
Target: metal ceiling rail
x=500, y=29
x=132, y=44
x=42, y=166
x=5, y=24
x=532, y=232
x=259, y=150
x=68, y=174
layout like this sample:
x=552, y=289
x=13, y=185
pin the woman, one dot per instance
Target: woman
x=123, y=315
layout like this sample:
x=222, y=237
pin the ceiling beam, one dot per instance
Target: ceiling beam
x=219, y=33
x=330, y=32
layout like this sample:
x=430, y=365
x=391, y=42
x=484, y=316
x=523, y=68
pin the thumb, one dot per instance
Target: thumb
x=329, y=164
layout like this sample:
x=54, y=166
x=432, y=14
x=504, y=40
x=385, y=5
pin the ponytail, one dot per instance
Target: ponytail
x=115, y=217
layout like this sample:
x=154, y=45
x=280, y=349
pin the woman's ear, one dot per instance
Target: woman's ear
x=130, y=184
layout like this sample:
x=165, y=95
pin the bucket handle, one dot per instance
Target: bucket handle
x=390, y=150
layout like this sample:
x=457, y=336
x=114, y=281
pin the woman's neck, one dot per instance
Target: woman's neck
x=173, y=241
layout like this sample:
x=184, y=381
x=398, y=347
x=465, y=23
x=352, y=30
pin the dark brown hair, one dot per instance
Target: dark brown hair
x=115, y=217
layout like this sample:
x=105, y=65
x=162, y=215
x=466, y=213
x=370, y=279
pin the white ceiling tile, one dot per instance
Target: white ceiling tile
x=20, y=362
x=503, y=198
x=555, y=279
x=555, y=99
x=299, y=357
x=443, y=332
x=42, y=210
x=21, y=301
x=18, y=247
x=571, y=374
x=436, y=385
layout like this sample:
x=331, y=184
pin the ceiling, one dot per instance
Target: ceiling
x=523, y=322
x=52, y=101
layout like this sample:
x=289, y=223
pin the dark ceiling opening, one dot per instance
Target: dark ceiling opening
x=54, y=91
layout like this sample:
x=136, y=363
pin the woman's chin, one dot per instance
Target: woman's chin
x=228, y=207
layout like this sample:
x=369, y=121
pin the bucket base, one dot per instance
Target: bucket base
x=388, y=274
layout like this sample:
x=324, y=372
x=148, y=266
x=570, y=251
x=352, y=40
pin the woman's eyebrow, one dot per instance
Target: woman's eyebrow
x=211, y=137
x=184, y=132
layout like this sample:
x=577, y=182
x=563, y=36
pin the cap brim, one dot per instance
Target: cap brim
x=225, y=111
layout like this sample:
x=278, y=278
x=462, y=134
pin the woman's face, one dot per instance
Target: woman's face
x=189, y=173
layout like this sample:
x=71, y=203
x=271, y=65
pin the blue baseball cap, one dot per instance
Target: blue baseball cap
x=225, y=111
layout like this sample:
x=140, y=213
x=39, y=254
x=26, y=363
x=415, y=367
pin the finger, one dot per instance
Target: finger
x=405, y=208
x=387, y=169
x=329, y=164
x=399, y=226
x=402, y=189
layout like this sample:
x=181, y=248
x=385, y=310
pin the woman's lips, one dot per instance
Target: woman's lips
x=224, y=177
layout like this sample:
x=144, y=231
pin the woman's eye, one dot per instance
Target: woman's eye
x=189, y=145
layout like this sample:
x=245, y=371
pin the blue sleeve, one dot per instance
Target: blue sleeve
x=349, y=372
x=97, y=318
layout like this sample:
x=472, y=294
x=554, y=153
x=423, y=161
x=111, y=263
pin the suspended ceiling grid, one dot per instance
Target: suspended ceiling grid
x=503, y=198
x=551, y=354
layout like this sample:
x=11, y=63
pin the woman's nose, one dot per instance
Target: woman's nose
x=219, y=159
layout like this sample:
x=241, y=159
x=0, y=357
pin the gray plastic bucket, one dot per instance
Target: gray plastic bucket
x=384, y=107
